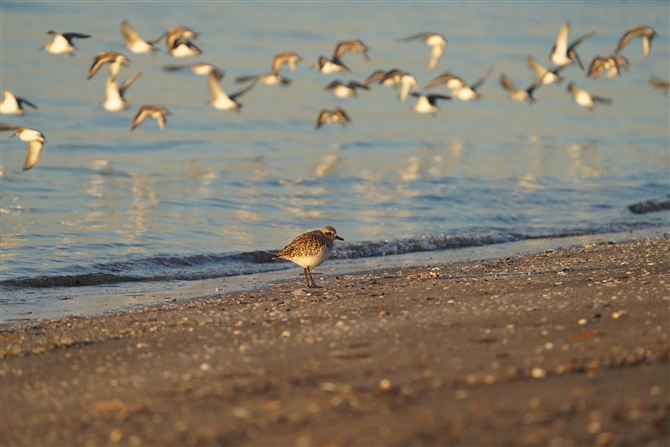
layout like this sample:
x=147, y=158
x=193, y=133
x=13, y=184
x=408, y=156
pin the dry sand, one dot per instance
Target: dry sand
x=566, y=347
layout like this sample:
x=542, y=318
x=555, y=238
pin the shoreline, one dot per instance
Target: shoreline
x=99, y=300
x=559, y=347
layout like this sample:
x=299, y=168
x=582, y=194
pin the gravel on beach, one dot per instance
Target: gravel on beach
x=562, y=347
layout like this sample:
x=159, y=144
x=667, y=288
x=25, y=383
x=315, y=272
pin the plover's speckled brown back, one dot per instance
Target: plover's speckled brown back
x=310, y=250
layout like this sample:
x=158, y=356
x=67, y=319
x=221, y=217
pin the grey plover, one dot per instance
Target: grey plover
x=199, y=68
x=561, y=53
x=342, y=90
x=612, y=64
x=646, y=32
x=434, y=40
x=135, y=43
x=156, y=112
x=520, y=94
x=310, y=250
x=546, y=75
x=586, y=99
x=114, y=59
x=114, y=100
x=13, y=105
x=459, y=88
x=332, y=116
x=221, y=100
x=35, y=140
x=427, y=103
x=62, y=43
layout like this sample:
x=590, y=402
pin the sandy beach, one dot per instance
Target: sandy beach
x=561, y=347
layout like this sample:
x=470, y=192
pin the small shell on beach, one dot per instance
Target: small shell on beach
x=538, y=373
x=385, y=384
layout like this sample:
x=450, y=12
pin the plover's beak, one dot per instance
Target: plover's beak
x=13, y=135
x=339, y=238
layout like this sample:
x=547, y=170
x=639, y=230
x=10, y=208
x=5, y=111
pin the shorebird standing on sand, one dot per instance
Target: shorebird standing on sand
x=310, y=250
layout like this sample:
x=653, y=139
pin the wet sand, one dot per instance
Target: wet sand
x=565, y=347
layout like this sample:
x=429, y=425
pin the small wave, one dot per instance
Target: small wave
x=649, y=207
x=209, y=266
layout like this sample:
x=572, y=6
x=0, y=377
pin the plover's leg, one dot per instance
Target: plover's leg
x=307, y=278
x=310, y=277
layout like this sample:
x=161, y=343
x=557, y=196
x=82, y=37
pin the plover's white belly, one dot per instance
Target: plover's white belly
x=313, y=260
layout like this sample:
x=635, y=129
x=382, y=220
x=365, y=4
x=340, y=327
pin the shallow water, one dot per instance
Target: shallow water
x=217, y=191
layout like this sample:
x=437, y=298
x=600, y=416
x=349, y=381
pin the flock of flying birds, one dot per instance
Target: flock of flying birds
x=179, y=44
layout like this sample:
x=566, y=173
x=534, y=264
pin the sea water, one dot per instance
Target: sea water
x=211, y=197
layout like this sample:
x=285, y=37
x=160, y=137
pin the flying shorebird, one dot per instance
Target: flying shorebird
x=114, y=100
x=332, y=116
x=545, y=75
x=156, y=112
x=288, y=58
x=333, y=65
x=660, y=84
x=135, y=43
x=221, y=100
x=434, y=40
x=310, y=250
x=342, y=90
x=401, y=80
x=62, y=43
x=184, y=48
x=199, y=68
x=114, y=59
x=646, y=32
x=459, y=89
x=382, y=77
x=35, y=140
x=13, y=105
x=518, y=94
x=353, y=46
x=265, y=78
x=586, y=99
x=561, y=53
x=612, y=64
x=427, y=103
x=178, y=33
